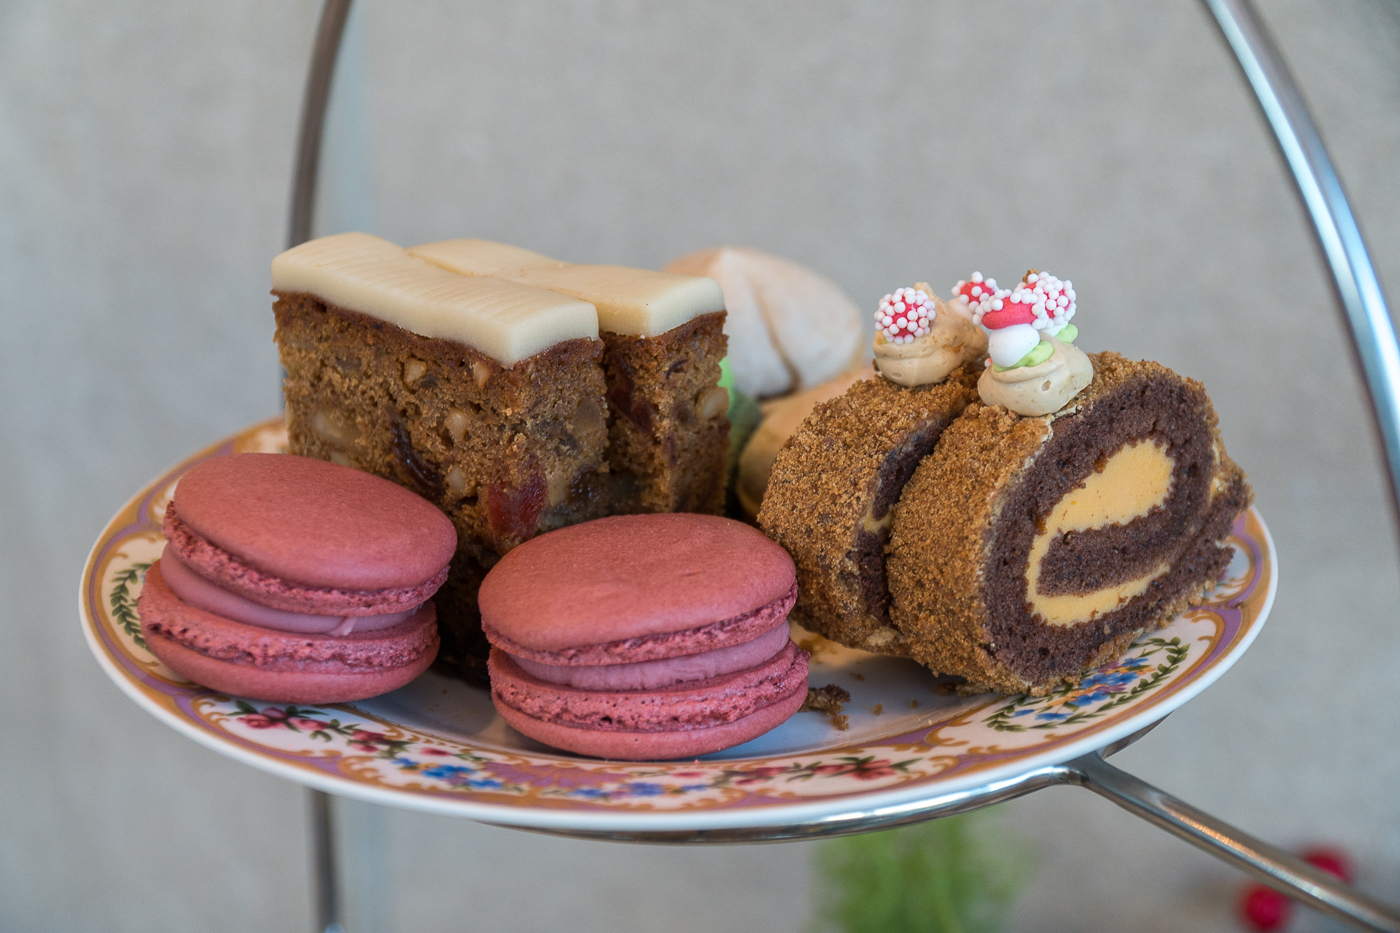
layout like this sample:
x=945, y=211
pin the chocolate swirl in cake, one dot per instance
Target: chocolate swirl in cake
x=1026, y=550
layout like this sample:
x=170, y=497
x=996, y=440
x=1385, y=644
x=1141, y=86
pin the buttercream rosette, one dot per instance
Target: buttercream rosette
x=919, y=339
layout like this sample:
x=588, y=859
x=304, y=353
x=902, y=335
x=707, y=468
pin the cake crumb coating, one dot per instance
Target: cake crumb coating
x=958, y=549
x=832, y=490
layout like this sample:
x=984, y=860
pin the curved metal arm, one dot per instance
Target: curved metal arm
x=1363, y=305
x=1373, y=339
x=1273, y=866
x=313, y=118
x=326, y=906
x=329, y=31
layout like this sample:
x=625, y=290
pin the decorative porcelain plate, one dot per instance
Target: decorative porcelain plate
x=437, y=745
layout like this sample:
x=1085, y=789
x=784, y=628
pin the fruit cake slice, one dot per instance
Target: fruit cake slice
x=484, y=396
x=663, y=340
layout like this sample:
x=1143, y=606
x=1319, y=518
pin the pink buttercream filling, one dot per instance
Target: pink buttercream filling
x=648, y=675
x=203, y=594
x=679, y=707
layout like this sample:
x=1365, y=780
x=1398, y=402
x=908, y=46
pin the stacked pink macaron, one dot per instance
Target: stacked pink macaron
x=294, y=580
x=644, y=636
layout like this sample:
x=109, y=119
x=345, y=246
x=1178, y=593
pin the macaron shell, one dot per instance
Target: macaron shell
x=650, y=675
x=283, y=666
x=711, y=637
x=195, y=590
x=315, y=523
x=676, y=708
x=629, y=576
x=232, y=573
x=283, y=686
x=655, y=746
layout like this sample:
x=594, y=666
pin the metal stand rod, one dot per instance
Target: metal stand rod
x=1378, y=353
x=1272, y=866
x=1362, y=303
x=327, y=888
x=329, y=31
x=313, y=118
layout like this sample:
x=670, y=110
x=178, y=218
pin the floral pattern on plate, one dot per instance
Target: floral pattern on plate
x=437, y=744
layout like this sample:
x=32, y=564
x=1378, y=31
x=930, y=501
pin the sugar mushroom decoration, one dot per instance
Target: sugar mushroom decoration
x=1034, y=368
x=919, y=339
x=968, y=295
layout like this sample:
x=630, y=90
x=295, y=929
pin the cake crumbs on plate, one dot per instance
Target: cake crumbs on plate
x=830, y=699
x=879, y=708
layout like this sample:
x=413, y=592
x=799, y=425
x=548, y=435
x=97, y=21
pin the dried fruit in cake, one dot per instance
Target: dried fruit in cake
x=1027, y=549
x=485, y=396
x=295, y=580
x=663, y=340
x=644, y=637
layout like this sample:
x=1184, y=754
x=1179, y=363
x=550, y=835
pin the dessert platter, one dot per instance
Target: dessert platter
x=438, y=745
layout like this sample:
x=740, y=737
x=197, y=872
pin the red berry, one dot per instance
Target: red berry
x=1333, y=861
x=1264, y=908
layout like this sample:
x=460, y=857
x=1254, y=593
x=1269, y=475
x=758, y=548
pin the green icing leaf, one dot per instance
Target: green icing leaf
x=1067, y=334
x=744, y=417
x=959, y=874
x=726, y=375
x=1039, y=355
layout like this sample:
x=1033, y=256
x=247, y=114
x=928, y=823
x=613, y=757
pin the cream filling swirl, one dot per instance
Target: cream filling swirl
x=1135, y=480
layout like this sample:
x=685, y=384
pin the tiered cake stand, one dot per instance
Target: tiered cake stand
x=909, y=753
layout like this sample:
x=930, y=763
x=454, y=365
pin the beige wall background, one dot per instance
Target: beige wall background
x=145, y=156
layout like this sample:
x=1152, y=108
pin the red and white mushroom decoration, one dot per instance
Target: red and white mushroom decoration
x=1014, y=319
x=968, y=294
x=905, y=315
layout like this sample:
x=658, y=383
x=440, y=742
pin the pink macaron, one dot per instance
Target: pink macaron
x=644, y=637
x=295, y=580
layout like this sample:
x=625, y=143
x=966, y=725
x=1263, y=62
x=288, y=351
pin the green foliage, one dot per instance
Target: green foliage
x=959, y=874
x=744, y=417
x=123, y=606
